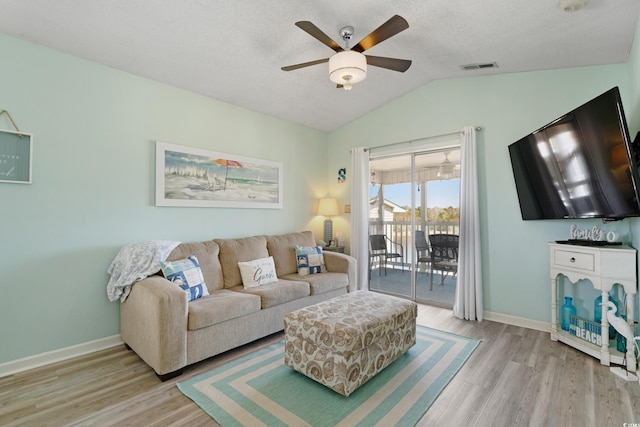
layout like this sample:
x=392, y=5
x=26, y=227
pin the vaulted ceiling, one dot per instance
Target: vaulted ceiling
x=233, y=51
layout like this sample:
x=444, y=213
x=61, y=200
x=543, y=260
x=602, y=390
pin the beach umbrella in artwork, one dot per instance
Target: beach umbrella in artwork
x=227, y=164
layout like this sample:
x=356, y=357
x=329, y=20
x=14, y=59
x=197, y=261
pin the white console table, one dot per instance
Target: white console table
x=604, y=266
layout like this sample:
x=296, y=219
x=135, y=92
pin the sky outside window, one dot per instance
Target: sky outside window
x=440, y=194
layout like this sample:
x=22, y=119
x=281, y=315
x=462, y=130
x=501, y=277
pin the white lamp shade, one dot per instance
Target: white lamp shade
x=347, y=67
x=328, y=207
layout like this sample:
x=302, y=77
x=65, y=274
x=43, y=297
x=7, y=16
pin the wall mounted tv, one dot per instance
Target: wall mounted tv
x=581, y=165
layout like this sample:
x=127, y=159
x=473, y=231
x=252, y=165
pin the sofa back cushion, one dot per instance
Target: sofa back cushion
x=233, y=251
x=207, y=253
x=282, y=249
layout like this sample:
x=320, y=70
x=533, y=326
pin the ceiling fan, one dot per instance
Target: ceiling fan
x=349, y=66
x=446, y=168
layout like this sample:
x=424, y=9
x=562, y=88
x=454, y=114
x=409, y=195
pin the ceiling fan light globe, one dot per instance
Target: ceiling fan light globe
x=347, y=67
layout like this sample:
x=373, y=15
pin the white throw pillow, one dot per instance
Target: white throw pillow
x=258, y=272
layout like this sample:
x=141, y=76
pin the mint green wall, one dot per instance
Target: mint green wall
x=93, y=187
x=515, y=253
x=94, y=129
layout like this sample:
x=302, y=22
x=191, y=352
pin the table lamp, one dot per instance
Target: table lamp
x=328, y=208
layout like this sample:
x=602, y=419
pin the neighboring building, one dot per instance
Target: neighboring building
x=390, y=209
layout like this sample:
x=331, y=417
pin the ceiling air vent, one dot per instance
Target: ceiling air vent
x=469, y=67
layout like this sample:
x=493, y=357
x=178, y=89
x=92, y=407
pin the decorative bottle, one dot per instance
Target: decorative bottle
x=597, y=312
x=566, y=310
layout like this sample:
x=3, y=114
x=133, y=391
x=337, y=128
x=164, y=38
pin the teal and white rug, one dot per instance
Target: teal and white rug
x=259, y=390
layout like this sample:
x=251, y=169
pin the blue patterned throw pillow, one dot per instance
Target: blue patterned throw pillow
x=310, y=260
x=187, y=275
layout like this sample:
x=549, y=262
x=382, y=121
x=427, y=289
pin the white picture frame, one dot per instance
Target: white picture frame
x=195, y=177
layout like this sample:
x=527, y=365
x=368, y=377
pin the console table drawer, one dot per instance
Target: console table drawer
x=577, y=260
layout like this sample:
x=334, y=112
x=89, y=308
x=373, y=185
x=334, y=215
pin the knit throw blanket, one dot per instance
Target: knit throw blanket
x=135, y=262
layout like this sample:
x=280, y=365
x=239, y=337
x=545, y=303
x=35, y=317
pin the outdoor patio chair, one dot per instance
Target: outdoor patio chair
x=444, y=255
x=379, y=246
x=422, y=250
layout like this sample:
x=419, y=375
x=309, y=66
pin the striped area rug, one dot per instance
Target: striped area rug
x=259, y=390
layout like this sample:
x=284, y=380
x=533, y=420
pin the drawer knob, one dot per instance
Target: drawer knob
x=572, y=259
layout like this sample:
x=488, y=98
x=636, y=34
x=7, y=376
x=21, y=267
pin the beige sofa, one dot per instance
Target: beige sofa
x=168, y=332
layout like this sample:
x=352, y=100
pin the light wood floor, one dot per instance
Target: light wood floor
x=516, y=377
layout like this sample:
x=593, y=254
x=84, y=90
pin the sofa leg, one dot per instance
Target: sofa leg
x=165, y=377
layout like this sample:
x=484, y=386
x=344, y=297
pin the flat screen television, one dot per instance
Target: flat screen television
x=581, y=165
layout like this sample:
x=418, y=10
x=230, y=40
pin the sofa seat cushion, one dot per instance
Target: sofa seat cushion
x=277, y=293
x=321, y=282
x=219, y=306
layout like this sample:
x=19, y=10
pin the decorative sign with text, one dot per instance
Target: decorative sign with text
x=15, y=157
x=595, y=234
x=585, y=329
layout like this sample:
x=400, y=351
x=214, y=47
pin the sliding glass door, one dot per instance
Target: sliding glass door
x=412, y=196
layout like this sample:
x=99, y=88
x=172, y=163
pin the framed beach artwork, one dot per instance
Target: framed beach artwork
x=15, y=157
x=194, y=177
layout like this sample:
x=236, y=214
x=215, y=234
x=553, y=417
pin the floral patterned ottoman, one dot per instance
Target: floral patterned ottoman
x=345, y=341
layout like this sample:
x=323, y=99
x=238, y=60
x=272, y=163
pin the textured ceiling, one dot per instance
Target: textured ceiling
x=233, y=50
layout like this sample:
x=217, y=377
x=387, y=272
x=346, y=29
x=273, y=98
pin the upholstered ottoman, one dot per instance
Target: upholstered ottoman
x=345, y=341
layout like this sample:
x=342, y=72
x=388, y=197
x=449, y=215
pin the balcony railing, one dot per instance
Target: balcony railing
x=400, y=232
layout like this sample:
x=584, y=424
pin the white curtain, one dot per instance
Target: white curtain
x=468, y=298
x=360, y=214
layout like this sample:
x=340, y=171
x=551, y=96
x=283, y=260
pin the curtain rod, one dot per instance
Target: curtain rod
x=409, y=141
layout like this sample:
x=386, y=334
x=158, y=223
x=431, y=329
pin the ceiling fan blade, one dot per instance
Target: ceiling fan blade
x=317, y=33
x=304, y=64
x=394, y=64
x=390, y=28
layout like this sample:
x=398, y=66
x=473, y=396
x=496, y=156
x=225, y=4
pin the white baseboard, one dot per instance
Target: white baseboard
x=24, y=364
x=49, y=357
x=518, y=321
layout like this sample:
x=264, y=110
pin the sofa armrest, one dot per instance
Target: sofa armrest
x=153, y=322
x=341, y=263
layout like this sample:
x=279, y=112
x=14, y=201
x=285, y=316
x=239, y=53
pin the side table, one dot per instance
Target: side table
x=604, y=266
